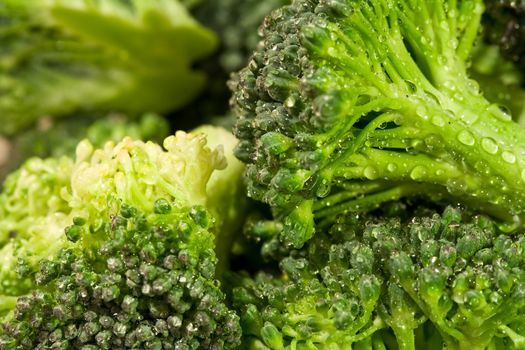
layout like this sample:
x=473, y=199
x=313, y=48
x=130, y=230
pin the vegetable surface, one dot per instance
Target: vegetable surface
x=123, y=250
x=450, y=281
x=61, y=57
x=348, y=104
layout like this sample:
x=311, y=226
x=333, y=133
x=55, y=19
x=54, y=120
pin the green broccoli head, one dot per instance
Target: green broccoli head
x=326, y=297
x=134, y=258
x=62, y=57
x=149, y=284
x=33, y=214
x=504, y=23
x=348, y=104
x=236, y=22
x=449, y=281
x=57, y=138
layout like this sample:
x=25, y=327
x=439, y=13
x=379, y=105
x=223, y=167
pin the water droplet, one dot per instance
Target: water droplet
x=391, y=167
x=472, y=84
x=466, y=138
x=418, y=172
x=489, y=145
x=422, y=112
x=411, y=86
x=323, y=189
x=509, y=157
x=469, y=118
x=449, y=85
x=290, y=102
x=438, y=121
x=506, y=113
x=370, y=173
x=499, y=111
x=440, y=172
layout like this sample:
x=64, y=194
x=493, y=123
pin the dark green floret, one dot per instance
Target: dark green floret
x=450, y=281
x=348, y=104
x=138, y=281
x=504, y=21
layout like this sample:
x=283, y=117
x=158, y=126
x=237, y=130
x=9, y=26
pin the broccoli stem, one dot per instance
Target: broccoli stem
x=517, y=339
x=464, y=143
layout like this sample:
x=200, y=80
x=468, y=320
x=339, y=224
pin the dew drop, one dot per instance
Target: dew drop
x=391, y=167
x=509, y=157
x=438, y=121
x=323, y=189
x=489, y=145
x=422, y=112
x=466, y=138
x=469, y=118
x=290, y=102
x=499, y=111
x=418, y=172
x=370, y=173
x=411, y=87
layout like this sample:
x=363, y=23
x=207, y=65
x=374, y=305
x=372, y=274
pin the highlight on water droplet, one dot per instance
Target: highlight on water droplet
x=489, y=145
x=370, y=173
x=508, y=157
x=468, y=117
x=438, y=120
x=466, y=137
x=418, y=172
x=290, y=102
x=500, y=111
x=323, y=188
x=391, y=167
x=422, y=112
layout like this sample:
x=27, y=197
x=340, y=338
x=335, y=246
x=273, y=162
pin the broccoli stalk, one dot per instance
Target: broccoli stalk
x=135, y=250
x=348, y=104
x=63, y=57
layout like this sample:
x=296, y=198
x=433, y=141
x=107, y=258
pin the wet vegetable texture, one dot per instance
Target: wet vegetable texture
x=364, y=190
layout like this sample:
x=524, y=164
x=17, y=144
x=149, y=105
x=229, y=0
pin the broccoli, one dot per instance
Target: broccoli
x=62, y=57
x=236, y=23
x=56, y=138
x=347, y=104
x=504, y=22
x=500, y=80
x=123, y=250
x=451, y=281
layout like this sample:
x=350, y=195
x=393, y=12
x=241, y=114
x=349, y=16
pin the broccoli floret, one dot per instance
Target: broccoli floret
x=450, y=281
x=135, y=252
x=236, y=23
x=348, y=104
x=504, y=23
x=33, y=214
x=57, y=138
x=324, y=299
x=61, y=57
